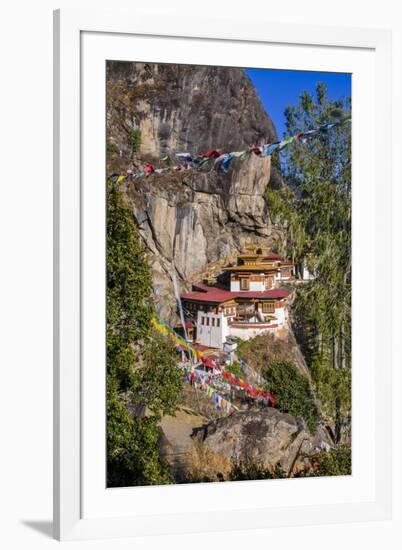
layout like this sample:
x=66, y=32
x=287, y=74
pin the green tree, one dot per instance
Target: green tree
x=141, y=363
x=292, y=392
x=334, y=463
x=313, y=212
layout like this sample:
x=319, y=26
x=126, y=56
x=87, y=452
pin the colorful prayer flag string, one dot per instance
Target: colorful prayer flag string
x=222, y=161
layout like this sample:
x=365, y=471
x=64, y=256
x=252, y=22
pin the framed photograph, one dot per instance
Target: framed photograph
x=222, y=252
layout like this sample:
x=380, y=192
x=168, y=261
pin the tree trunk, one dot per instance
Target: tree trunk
x=334, y=352
x=338, y=423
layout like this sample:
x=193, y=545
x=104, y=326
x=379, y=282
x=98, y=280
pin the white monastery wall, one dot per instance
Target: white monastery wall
x=210, y=334
x=234, y=286
x=248, y=333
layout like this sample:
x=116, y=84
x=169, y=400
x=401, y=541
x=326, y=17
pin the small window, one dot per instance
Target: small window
x=207, y=321
x=202, y=320
x=218, y=322
x=268, y=307
x=213, y=321
x=268, y=283
x=244, y=284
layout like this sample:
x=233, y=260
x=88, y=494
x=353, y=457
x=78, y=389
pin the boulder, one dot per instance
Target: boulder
x=266, y=437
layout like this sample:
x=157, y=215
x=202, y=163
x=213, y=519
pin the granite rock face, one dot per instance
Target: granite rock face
x=191, y=222
x=267, y=437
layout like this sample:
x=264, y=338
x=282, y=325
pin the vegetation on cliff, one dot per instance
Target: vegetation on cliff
x=314, y=214
x=292, y=392
x=141, y=364
x=190, y=222
x=337, y=462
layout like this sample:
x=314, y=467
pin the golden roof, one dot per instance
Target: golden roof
x=255, y=256
x=257, y=267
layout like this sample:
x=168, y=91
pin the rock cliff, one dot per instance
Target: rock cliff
x=190, y=222
x=267, y=437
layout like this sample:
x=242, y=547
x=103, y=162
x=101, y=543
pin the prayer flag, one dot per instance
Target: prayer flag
x=223, y=160
x=269, y=148
x=285, y=142
x=211, y=154
x=186, y=157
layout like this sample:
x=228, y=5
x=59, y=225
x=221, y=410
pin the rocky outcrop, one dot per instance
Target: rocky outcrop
x=190, y=222
x=183, y=107
x=268, y=349
x=267, y=437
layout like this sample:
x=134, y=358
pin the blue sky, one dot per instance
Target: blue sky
x=279, y=88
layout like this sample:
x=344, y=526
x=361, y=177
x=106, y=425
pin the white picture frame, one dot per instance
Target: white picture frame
x=82, y=507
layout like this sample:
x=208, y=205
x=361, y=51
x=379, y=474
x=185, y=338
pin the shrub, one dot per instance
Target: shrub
x=292, y=392
x=135, y=140
x=112, y=148
x=205, y=465
x=235, y=369
x=334, y=463
x=251, y=470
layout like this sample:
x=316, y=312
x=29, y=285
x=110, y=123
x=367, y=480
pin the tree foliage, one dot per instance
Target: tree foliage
x=250, y=470
x=141, y=363
x=292, y=392
x=333, y=388
x=235, y=369
x=313, y=212
x=337, y=462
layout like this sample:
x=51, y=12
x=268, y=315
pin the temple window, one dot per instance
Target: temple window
x=268, y=307
x=244, y=283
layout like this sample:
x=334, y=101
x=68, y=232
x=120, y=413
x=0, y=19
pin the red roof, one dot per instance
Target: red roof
x=187, y=324
x=201, y=287
x=216, y=295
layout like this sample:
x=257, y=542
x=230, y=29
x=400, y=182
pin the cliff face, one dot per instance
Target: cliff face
x=190, y=222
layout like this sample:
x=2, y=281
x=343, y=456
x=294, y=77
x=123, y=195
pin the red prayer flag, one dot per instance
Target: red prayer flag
x=214, y=154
